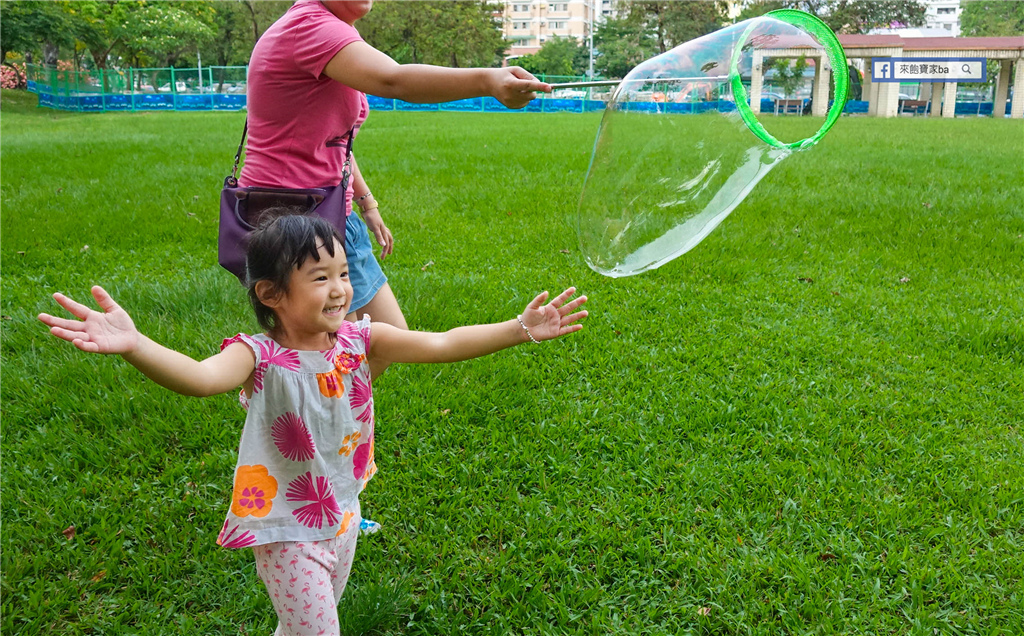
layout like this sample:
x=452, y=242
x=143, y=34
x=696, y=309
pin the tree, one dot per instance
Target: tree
x=159, y=33
x=677, y=21
x=987, y=18
x=97, y=26
x=984, y=18
x=261, y=14
x=650, y=28
x=28, y=26
x=456, y=34
x=558, y=56
x=621, y=44
x=789, y=74
x=848, y=16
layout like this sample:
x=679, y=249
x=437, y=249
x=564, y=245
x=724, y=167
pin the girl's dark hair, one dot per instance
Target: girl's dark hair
x=282, y=243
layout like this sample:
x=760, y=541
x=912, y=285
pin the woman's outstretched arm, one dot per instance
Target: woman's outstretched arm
x=364, y=68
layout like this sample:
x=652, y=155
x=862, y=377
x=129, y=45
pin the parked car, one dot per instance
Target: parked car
x=569, y=93
x=166, y=88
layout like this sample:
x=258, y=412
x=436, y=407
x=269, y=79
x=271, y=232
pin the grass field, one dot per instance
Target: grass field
x=809, y=424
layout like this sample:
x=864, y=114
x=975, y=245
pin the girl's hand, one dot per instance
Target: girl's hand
x=555, y=318
x=109, y=332
x=375, y=224
x=514, y=87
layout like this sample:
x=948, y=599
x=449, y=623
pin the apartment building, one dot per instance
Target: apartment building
x=529, y=24
x=945, y=15
x=941, y=19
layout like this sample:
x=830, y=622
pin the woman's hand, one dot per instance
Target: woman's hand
x=375, y=224
x=514, y=87
x=554, y=319
x=109, y=332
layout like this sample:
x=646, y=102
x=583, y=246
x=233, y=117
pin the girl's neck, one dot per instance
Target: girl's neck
x=291, y=339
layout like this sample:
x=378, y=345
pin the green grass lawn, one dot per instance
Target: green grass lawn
x=809, y=424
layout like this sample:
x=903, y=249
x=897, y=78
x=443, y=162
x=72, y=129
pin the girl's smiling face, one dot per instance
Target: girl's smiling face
x=314, y=307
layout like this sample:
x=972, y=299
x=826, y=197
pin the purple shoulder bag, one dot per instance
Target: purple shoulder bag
x=241, y=208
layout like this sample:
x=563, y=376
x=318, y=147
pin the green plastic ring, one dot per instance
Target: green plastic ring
x=836, y=56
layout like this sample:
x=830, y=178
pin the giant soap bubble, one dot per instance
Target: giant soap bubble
x=680, y=147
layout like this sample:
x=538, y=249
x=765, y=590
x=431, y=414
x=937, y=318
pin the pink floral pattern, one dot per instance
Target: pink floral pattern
x=322, y=504
x=344, y=342
x=228, y=538
x=292, y=438
x=362, y=458
x=362, y=398
x=273, y=353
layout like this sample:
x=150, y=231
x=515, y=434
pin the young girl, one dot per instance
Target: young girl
x=307, y=446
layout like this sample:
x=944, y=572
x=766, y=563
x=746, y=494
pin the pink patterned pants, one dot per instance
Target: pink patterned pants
x=305, y=581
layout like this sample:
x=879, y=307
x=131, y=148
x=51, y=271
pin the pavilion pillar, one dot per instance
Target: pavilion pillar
x=937, y=89
x=1017, y=107
x=1002, y=89
x=756, y=82
x=819, y=91
x=888, y=99
x=949, y=100
x=872, y=90
x=866, y=84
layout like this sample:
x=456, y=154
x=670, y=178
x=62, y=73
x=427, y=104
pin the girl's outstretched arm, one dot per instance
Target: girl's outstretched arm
x=545, y=322
x=113, y=332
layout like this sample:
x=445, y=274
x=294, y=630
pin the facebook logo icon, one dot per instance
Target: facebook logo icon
x=882, y=70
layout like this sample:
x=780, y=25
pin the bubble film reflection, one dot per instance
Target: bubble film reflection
x=680, y=146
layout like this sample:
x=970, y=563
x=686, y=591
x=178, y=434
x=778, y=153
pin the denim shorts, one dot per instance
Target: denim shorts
x=363, y=270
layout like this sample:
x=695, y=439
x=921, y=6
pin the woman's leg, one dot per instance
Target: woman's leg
x=383, y=307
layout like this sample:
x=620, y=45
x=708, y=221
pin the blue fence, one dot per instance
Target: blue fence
x=223, y=88
x=99, y=103
x=490, y=105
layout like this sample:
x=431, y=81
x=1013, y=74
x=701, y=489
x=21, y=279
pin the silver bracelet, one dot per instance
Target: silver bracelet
x=528, y=334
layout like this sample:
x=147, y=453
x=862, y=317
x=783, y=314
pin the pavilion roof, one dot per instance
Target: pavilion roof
x=858, y=41
x=959, y=44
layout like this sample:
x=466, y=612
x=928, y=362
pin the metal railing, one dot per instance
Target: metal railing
x=223, y=88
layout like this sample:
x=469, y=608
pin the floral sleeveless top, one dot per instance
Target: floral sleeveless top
x=307, y=446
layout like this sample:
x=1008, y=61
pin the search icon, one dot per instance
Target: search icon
x=966, y=68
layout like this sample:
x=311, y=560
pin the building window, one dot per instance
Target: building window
x=521, y=8
x=558, y=7
x=949, y=27
x=560, y=24
x=946, y=10
x=520, y=25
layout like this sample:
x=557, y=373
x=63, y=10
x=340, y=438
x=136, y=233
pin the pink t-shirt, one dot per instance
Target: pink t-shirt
x=299, y=118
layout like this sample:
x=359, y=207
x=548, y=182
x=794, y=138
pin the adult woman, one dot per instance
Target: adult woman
x=308, y=77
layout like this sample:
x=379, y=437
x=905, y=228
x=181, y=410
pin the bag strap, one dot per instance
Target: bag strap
x=238, y=155
x=346, y=170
